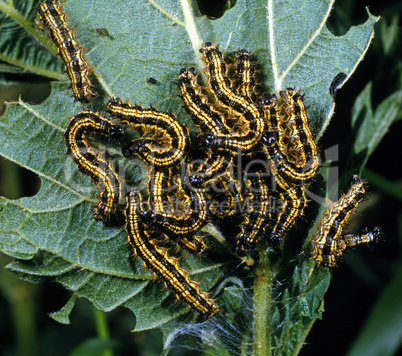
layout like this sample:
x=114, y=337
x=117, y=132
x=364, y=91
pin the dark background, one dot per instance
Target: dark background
x=356, y=284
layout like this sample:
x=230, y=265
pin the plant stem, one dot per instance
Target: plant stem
x=23, y=310
x=20, y=296
x=102, y=329
x=262, y=307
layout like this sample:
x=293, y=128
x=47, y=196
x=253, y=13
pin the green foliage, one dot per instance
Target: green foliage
x=371, y=126
x=93, y=347
x=387, y=312
x=20, y=43
x=52, y=236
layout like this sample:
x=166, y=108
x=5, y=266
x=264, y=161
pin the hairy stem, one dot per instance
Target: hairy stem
x=264, y=277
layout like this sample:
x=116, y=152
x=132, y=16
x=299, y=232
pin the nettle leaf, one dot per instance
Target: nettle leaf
x=52, y=235
x=23, y=45
x=372, y=125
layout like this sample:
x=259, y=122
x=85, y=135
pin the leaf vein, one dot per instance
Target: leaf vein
x=29, y=108
x=304, y=49
x=192, y=32
x=166, y=13
x=40, y=174
x=270, y=18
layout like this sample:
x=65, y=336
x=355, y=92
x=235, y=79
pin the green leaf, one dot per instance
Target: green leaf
x=22, y=44
x=382, y=332
x=5, y=68
x=93, y=347
x=63, y=315
x=389, y=34
x=371, y=126
x=301, y=304
x=52, y=235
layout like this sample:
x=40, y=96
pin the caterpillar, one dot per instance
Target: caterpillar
x=221, y=85
x=91, y=161
x=328, y=244
x=301, y=146
x=252, y=117
x=225, y=199
x=256, y=217
x=158, y=261
x=289, y=205
x=288, y=170
x=244, y=82
x=194, y=244
x=174, y=144
x=184, y=223
x=235, y=143
x=196, y=104
x=52, y=17
x=213, y=167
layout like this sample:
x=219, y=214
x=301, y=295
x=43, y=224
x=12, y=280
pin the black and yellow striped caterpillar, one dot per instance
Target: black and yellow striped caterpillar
x=92, y=161
x=329, y=244
x=52, y=17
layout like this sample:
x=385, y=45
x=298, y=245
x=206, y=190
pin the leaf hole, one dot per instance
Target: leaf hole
x=17, y=182
x=215, y=9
